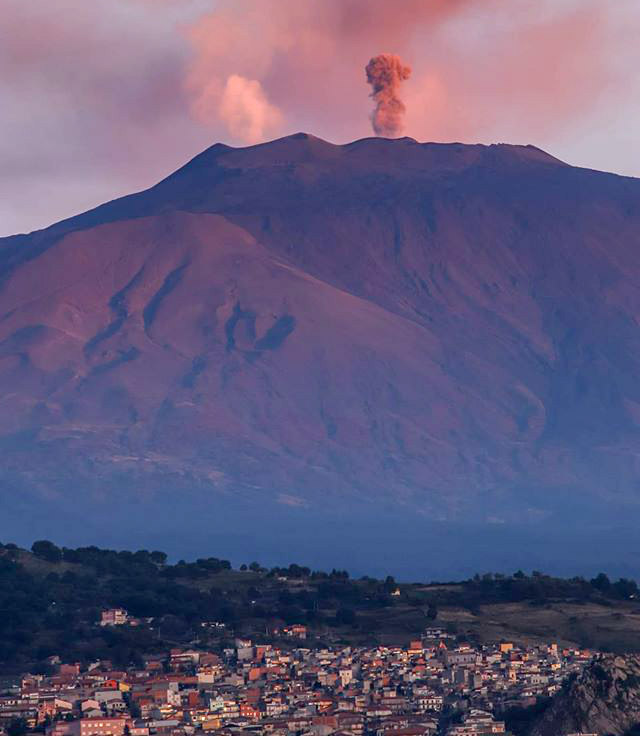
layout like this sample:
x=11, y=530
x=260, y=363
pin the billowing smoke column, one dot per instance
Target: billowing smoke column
x=385, y=74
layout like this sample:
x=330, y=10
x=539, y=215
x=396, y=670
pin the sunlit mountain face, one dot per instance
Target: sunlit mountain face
x=424, y=356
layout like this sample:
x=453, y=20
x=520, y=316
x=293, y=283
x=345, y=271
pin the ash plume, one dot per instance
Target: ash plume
x=385, y=74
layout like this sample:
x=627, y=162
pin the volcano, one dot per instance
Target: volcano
x=384, y=335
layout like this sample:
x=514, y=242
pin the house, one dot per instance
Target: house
x=99, y=726
x=180, y=660
x=114, y=617
x=296, y=631
x=477, y=723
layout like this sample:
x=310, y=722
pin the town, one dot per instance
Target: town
x=433, y=684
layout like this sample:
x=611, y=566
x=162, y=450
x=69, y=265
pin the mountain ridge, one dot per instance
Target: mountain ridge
x=222, y=148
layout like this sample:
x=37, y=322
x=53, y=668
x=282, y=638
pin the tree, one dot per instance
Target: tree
x=346, y=616
x=160, y=558
x=46, y=550
x=432, y=612
x=626, y=588
x=601, y=582
x=17, y=727
x=134, y=709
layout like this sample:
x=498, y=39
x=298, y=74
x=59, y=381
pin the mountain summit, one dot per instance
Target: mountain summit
x=385, y=329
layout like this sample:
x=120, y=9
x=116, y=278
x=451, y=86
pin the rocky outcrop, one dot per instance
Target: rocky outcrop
x=605, y=699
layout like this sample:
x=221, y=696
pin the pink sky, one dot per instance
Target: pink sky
x=104, y=98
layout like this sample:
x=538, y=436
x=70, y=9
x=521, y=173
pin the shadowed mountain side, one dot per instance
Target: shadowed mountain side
x=443, y=329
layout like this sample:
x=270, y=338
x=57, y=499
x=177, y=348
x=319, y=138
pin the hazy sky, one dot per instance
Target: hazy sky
x=102, y=98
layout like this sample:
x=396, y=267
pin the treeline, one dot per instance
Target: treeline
x=538, y=586
x=125, y=562
x=536, y=589
x=54, y=608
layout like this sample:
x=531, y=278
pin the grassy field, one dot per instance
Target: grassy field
x=590, y=625
x=613, y=628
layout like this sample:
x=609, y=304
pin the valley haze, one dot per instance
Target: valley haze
x=389, y=356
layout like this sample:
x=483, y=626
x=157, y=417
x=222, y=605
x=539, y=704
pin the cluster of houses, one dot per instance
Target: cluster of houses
x=431, y=686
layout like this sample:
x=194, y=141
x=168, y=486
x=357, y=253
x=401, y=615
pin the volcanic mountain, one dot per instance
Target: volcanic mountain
x=435, y=333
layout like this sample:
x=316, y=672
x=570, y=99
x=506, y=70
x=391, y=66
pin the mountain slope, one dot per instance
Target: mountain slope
x=443, y=329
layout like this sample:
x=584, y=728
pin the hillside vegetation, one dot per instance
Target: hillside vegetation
x=51, y=599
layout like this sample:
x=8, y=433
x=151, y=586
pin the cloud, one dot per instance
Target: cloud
x=98, y=99
x=92, y=104
x=242, y=106
x=487, y=76
x=308, y=55
x=385, y=74
x=482, y=68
